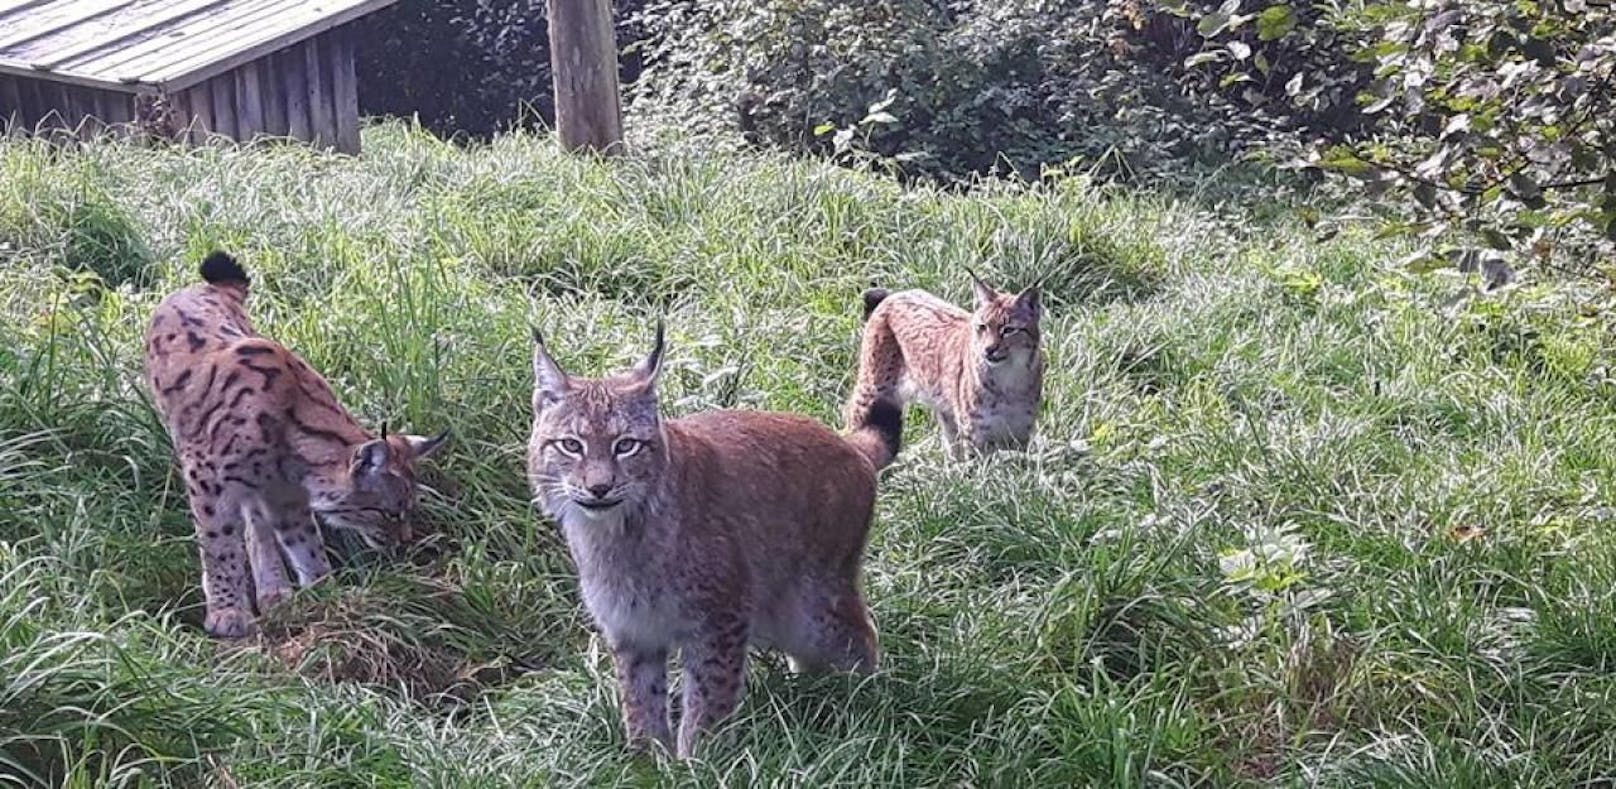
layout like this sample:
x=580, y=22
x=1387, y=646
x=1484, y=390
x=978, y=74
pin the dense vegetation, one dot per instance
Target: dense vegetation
x=1294, y=516
x=1481, y=128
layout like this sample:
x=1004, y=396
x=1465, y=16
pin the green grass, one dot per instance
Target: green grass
x=1293, y=517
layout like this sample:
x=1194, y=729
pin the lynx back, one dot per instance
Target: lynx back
x=266, y=450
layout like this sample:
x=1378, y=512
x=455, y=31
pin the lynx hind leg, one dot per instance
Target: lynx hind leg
x=838, y=634
x=221, y=543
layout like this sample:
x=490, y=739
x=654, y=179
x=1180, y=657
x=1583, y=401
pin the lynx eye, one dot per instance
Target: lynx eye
x=981, y=327
x=1009, y=330
x=571, y=446
x=627, y=446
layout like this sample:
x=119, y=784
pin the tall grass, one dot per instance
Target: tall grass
x=1293, y=516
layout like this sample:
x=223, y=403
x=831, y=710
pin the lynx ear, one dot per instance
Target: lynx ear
x=1031, y=300
x=984, y=293
x=647, y=371
x=549, y=381
x=370, y=457
x=424, y=446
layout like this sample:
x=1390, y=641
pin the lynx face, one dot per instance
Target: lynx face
x=1005, y=325
x=379, y=498
x=598, y=449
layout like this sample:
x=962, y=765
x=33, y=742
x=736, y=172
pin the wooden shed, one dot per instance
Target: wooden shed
x=184, y=68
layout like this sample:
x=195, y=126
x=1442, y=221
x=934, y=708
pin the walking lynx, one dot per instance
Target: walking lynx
x=981, y=372
x=265, y=447
x=705, y=534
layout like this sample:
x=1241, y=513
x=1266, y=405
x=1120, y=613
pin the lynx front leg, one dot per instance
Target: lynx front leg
x=300, y=539
x=953, y=443
x=268, y=571
x=714, y=676
x=642, y=679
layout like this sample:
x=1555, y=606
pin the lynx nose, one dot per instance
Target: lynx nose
x=600, y=491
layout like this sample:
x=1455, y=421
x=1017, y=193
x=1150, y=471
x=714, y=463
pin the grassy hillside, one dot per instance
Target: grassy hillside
x=1293, y=516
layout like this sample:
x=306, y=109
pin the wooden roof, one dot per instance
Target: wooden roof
x=144, y=46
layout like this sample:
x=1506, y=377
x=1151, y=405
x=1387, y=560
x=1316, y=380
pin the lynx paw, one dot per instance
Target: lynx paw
x=229, y=623
x=273, y=597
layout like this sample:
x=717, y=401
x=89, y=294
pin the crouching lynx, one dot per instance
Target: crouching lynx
x=982, y=372
x=706, y=534
x=264, y=447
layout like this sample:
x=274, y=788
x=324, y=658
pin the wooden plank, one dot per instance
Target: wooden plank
x=82, y=112
x=201, y=102
x=10, y=101
x=202, y=27
x=27, y=103
x=179, y=114
x=274, y=93
x=120, y=28
x=296, y=90
x=73, y=78
x=57, y=18
x=249, y=101
x=583, y=62
x=8, y=6
x=223, y=89
x=120, y=107
x=322, y=128
x=306, y=20
x=339, y=58
x=54, y=95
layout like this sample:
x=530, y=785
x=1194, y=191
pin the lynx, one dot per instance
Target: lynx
x=265, y=449
x=706, y=534
x=981, y=372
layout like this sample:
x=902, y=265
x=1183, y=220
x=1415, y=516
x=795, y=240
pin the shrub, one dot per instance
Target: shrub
x=1493, y=122
x=934, y=88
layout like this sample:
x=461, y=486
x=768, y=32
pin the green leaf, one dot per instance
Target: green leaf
x=1200, y=58
x=824, y=129
x=1495, y=239
x=1212, y=24
x=1275, y=22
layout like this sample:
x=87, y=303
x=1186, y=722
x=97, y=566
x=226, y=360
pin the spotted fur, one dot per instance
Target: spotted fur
x=704, y=535
x=981, y=372
x=267, y=452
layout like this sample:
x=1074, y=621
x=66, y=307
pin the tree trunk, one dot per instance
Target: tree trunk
x=583, y=62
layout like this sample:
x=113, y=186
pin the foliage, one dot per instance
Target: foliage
x=929, y=88
x=1287, y=521
x=467, y=66
x=1493, y=125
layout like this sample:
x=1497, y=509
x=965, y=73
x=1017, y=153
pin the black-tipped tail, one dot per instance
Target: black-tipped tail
x=878, y=432
x=873, y=298
x=219, y=268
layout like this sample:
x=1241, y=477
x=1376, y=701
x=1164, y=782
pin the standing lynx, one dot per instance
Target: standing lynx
x=981, y=372
x=705, y=534
x=265, y=447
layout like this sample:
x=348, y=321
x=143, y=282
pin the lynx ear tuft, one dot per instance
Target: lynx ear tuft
x=647, y=371
x=549, y=380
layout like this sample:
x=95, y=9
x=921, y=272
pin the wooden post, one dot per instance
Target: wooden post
x=583, y=63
